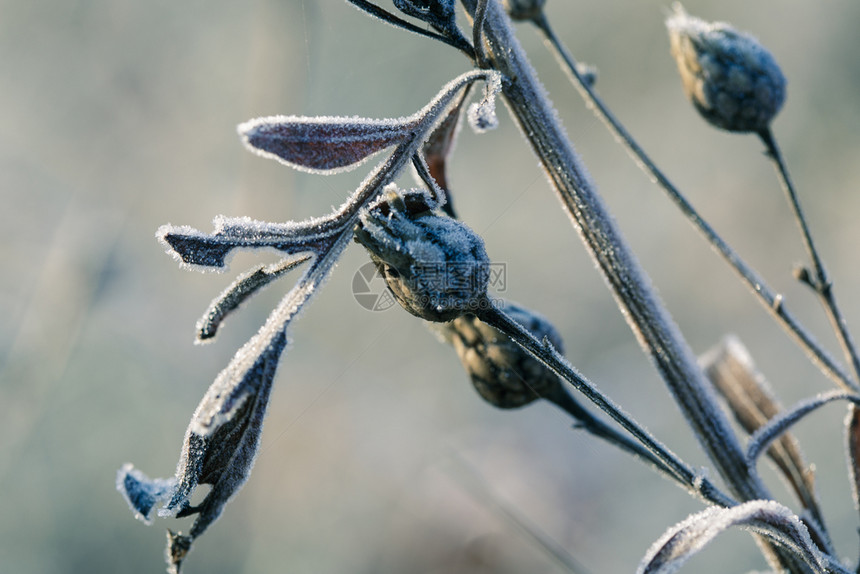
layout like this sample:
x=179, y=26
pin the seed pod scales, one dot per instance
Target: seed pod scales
x=435, y=266
x=503, y=374
x=732, y=80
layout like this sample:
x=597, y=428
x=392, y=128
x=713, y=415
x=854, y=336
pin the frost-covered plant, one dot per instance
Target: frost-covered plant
x=511, y=354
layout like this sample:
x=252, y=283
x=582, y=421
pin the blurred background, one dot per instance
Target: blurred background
x=378, y=456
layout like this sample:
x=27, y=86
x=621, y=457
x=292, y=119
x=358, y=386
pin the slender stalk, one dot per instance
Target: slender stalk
x=821, y=283
x=546, y=354
x=649, y=320
x=771, y=300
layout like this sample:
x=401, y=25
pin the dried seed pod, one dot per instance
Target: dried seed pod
x=524, y=9
x=435, y=266
x=732, y=80
x=503, y=374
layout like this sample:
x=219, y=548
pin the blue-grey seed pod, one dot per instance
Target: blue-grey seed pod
x=732, y=80
x=524, y=9
x=503, y=374
x=435, y=266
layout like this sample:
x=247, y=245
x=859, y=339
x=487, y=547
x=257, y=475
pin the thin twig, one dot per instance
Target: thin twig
x=772, y=301
x=695, y=482
x=822, y=283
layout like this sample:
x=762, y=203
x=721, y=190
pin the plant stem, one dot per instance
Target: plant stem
x=771, y=301
x=821, y=283
x=547, y=355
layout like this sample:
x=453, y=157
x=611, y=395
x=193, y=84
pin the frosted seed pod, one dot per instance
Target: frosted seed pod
x=524, y=9
x=435, y=266
x=503, y=374
x=732, y=80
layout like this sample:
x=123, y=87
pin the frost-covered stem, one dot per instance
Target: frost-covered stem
x=771, y=301
x=549, y=356
x=596, y=427
x=651, y=323
x=822, y=283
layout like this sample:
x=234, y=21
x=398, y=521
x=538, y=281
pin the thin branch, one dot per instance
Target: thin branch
x=821, y=283
x=694, y=481
x=772, y=301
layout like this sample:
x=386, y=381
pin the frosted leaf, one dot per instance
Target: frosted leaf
x=141, y=492
x=239, y=291
x=482, y=115
x=439, y=147
x=211, y=251
x=766, y=517
x=322, y=144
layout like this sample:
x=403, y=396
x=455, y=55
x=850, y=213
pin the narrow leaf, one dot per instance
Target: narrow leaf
x=211, y=251
x=765, y=517
x=238, y=292
x=322, y=144
x=731, y=369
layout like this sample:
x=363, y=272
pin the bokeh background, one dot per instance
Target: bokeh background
x=378, y=457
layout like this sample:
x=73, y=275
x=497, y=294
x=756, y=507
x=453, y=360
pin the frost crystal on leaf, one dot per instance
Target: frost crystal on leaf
x=482, y=115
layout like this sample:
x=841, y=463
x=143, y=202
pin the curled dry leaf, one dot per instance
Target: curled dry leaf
x=238, y=292
x=731, y=369
x=765, y=517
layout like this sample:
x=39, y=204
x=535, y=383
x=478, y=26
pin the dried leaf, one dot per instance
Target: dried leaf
x=323, y=144
x=731, y=369
x=852, y=430
x=238, y=292
x=764, y=517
